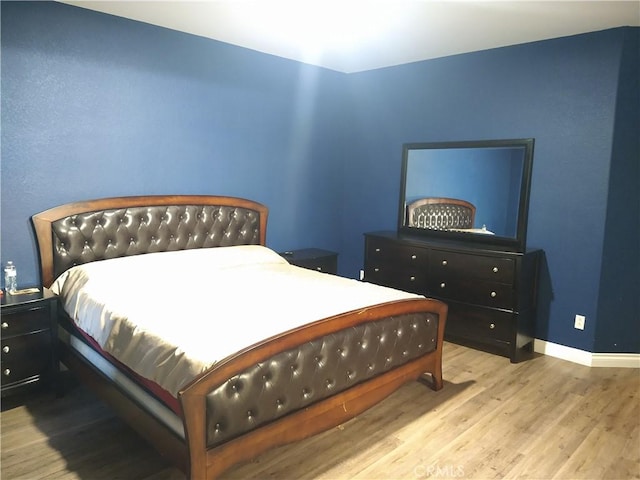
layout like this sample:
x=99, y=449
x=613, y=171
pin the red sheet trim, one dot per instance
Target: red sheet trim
x=152, y=387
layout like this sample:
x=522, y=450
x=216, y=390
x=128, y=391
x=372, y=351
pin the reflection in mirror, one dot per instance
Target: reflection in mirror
x=473, y=188
x=441, y=214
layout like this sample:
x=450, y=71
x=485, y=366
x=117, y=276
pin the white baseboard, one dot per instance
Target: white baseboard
x=619, y=360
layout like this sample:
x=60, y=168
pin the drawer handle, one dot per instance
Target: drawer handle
x=492, y=326
x=444, y=263
x=377, y=249
x=412, y=278
x=5, y=349
x=494, y=294
x=319, y=269
x=495, y=269
x=413, y=257
x=5, y=325
x=6, y=372
x=376, y=269
x=443, y=285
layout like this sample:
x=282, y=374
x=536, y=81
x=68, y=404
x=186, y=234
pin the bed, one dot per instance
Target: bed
x=303, y=369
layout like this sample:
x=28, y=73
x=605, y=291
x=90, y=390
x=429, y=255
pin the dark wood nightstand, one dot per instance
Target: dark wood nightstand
x=28, y=329
x=313, y=259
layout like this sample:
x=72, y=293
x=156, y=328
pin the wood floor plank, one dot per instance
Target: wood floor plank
x=540, y=419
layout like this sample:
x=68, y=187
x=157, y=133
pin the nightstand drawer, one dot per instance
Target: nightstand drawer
x=313, y=259
x=25, y=356
x=27, y=347
x=326, y=264
x=25, y=321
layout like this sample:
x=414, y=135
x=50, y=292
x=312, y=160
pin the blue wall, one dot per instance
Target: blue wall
x=94, y=105
x=618, y=327
x=562, y=92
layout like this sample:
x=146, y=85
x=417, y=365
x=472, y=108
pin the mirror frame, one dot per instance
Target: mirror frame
x=516, y=243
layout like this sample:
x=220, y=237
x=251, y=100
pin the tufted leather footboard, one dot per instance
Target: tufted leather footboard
x=315, y=370
x=309, y=380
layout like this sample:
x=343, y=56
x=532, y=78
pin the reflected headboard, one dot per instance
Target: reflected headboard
x=440, y=213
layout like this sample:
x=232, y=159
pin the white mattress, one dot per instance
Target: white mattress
x=169, y=316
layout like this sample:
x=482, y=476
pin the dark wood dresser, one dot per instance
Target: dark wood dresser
x=492, y=295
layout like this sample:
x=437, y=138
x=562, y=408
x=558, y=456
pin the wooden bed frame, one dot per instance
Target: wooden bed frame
x=196, y=454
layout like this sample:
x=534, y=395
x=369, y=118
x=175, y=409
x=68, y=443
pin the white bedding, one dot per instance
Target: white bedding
x=169, y=316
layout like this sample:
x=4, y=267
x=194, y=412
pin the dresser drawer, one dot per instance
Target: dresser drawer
x=471, y=290
x=479, y=324
x=25, y=356
x=405, y=255
x=25, y=321
x=394, y=276
x=495, y=269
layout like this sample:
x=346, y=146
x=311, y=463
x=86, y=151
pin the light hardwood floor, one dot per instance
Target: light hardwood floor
x=540, y=419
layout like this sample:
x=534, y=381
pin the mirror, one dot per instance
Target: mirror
x=467, y=191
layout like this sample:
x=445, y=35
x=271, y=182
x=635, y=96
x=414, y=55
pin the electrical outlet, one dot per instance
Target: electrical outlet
x=579, y=322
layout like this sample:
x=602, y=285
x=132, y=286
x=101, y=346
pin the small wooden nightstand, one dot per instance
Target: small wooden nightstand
x=28, y=328
x=313, y=259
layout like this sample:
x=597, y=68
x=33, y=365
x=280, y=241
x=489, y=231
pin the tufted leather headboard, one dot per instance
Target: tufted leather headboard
x=84, y=232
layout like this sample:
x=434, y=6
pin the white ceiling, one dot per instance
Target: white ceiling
x=356, y=35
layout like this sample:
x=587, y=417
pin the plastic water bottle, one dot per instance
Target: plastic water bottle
x=10, y=278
